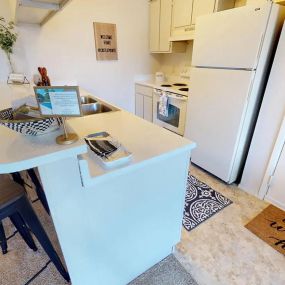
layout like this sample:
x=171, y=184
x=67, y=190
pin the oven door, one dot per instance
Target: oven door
x=175, y=121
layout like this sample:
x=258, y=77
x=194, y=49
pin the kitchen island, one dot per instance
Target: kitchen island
x=112, y=224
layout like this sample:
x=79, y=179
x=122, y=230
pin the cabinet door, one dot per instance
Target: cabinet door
x=139, y=105
x=165, y=24
x=154, y=11
x=216, y=118
x=147, y=108
x=202, y=8
x=182, y=13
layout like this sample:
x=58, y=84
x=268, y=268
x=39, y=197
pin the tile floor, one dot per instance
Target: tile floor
x=221, y=251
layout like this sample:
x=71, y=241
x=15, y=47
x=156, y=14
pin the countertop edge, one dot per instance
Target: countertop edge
x=89, y=181
x=36, y=161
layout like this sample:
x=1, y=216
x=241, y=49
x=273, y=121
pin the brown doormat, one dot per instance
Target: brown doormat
x=269, y=225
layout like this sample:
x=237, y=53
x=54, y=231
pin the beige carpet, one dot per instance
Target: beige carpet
x=167, y=272
x=21, y=264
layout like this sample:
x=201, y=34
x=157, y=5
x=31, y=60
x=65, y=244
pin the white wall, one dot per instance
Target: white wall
x=4, y=67
x=268, y=124
x=65, y=45
x=19, y=59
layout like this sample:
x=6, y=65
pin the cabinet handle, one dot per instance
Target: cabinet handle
x=188, y=29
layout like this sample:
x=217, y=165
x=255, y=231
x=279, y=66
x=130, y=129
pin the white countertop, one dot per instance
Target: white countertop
x=9, y=93
x=145, y=140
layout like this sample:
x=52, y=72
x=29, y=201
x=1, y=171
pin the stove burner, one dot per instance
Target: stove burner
x=180, y=84
x=165, y=85
x=184, y=89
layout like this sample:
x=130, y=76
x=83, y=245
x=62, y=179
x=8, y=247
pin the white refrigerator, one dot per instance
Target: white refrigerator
x=231, y=60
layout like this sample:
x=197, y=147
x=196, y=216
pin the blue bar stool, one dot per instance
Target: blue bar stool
x=38, y=187
x=15, y=204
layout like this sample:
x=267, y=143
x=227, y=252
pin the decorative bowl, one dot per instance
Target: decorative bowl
x=30, y=127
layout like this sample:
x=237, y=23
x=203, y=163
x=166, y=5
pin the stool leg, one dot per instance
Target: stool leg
x=17, y=178
x=35, y=225
x=3, y=239
x=23, y=230
x=39, y=189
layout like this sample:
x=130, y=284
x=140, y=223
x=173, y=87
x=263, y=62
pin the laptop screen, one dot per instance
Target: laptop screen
x=61, y=101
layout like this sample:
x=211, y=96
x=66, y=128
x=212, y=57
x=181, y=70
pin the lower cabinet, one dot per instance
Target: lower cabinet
x=144, y=102
x=139, y=105
x=147, y=108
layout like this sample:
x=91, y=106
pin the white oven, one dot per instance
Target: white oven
x=177, y=107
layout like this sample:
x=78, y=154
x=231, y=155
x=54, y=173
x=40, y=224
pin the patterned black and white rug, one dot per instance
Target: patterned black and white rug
x=201, y=203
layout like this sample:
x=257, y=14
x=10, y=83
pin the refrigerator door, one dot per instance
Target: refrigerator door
x=218, y=119
x=231, y=38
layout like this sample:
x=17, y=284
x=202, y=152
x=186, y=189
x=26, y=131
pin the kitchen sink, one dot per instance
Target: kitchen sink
x=95, y=108
x=91, y=106
x=87, y=100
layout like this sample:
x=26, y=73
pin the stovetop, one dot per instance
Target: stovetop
x=179, y=88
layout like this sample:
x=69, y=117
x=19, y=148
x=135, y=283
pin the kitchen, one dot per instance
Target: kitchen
x=65, y=46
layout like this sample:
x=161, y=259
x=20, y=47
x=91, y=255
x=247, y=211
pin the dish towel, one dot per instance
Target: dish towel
x=163, y=104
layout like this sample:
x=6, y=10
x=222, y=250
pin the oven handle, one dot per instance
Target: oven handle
x=176, y=96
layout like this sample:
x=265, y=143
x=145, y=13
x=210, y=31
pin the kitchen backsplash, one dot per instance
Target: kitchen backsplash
x=174, y=63
x=240, y=3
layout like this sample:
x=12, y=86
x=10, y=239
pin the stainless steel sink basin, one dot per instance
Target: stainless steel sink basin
x=87, y=100
x=91, y=106
x=94, y=108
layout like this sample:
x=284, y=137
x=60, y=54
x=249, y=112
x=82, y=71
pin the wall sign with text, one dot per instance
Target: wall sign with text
x=105, y=41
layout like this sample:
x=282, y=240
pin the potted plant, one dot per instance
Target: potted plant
x=8, y=37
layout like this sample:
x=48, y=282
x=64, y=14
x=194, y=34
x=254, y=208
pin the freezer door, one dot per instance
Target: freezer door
x=231, y=38
x=216, y=114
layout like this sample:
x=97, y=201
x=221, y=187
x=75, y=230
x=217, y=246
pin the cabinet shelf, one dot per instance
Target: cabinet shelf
x=186, y=37
x=36, y=11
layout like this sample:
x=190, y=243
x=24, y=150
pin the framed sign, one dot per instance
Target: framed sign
x=105, y=41
x=63, y=101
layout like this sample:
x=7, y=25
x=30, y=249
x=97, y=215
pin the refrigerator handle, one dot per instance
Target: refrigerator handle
x=250, y=88
x=260, y=46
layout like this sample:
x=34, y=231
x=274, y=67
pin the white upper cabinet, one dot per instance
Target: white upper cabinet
x=185, y=13
x=182, y=13
x=165, y=25
x=154, y=10
x=160, y=27
x=202, y=8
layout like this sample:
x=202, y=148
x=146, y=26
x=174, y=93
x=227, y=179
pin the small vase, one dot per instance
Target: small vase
x=10, y=62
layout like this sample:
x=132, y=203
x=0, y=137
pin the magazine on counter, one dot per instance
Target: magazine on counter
x=108, y=151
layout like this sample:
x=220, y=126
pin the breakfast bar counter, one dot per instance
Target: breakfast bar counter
x=112, y=224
